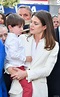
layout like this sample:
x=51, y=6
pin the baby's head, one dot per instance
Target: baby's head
x=15, y=23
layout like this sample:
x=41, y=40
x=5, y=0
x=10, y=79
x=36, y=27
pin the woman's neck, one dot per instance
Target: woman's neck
x=37, y=38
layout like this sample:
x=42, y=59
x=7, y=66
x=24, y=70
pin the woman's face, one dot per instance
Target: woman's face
x=36, y=26
x=1, y=19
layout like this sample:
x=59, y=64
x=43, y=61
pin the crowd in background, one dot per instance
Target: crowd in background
x=38, y=34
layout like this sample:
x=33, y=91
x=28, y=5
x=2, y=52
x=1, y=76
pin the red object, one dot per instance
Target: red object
x=27, y=87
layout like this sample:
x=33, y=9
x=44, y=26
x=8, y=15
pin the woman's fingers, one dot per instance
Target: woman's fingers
x=15, y=68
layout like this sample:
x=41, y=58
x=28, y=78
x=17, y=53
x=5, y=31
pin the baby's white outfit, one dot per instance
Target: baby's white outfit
x=15, y=57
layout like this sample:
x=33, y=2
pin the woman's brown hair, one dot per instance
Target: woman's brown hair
x=3, y=17
x=49, y=34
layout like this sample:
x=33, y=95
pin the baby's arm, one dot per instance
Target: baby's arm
x=28, y=59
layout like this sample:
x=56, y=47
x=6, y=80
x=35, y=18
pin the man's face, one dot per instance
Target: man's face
x=24, y=13
x=3, y=34
x=55, y=22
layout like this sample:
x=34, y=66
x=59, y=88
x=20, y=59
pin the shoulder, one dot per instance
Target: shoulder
x=1, y=45
x=25, y=37
x=11, y=38
x=2, y=48
x=57, y=44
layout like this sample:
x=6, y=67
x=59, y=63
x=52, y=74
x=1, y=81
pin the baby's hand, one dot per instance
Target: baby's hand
x=28, y=59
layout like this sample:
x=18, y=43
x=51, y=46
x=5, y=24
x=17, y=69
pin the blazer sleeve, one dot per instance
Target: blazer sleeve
x=2, y=57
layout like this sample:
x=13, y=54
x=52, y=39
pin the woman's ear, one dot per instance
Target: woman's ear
x=45, y=27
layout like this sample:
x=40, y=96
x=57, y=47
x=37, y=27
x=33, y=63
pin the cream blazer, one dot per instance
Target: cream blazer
x=41, y=67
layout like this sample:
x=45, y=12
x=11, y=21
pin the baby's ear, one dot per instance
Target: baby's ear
x=9, y=27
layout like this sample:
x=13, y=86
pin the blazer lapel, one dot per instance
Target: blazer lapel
x=39, y=54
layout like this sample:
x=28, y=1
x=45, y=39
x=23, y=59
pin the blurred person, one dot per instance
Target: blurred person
x=15, y=54
x=55, y=21
x=54, y=78
x=44, y=50
x=3, y=91
x=3, y=36
x=2, y=19
x=26, y=13
x=3, y=32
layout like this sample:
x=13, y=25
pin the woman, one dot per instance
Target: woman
x=3, y=92
x=2, y=19
x=43, y=49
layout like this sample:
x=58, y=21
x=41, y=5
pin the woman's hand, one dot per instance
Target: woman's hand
x=20, y=74
x=28, y=59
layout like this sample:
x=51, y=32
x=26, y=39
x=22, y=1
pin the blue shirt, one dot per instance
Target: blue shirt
x=3, y=92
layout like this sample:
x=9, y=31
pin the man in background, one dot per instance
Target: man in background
x=26, y=13
x=54, y=78
x=55, y=21
x=3, y=36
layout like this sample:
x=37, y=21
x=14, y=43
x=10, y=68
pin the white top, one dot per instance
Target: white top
x=15, y=54
x=37, y=50
x=42, y=63
x=43, y=60
x=41, y=66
